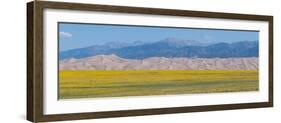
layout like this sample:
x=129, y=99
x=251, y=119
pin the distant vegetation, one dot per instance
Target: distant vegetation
x=95, y=84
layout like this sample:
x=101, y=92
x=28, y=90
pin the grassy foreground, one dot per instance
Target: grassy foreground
x=93, y=84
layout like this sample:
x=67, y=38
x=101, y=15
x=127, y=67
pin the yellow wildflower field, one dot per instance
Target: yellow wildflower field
x=120, y=83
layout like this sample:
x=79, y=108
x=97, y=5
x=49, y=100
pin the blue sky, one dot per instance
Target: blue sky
x=73, y=36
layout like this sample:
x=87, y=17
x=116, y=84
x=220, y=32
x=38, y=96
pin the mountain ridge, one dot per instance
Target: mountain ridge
x=170, y=48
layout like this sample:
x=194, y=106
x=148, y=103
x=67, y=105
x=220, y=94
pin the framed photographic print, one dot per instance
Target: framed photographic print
x=90, y=61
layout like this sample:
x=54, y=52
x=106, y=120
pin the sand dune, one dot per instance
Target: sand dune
x=113, y=62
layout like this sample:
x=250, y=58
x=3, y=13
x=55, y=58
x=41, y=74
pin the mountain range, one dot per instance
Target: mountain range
x=168, y=48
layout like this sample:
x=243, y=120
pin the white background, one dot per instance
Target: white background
x=53, y=106
x=13, y=61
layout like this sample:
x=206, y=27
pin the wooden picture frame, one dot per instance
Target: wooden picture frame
x=35, y=60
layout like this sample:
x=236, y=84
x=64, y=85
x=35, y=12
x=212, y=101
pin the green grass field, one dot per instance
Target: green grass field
x=96, y=84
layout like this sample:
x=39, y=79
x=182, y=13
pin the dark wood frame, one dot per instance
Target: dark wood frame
x=35, y=60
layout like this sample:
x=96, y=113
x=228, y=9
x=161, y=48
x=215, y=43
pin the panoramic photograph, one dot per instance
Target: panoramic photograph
x=104, y=60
